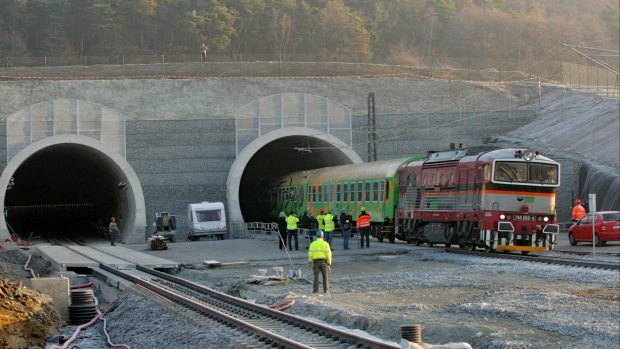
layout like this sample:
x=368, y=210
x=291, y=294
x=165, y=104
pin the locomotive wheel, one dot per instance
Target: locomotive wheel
x=431, y=244
x=461, y=245
x=472, y=247
x=488, y=248
x=448, y=245
x=418, y=242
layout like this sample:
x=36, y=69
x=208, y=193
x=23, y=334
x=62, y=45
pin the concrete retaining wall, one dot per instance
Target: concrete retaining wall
x=180, y=162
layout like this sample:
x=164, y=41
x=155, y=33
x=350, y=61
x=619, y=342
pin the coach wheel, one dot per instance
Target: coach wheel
x=448, y=245
x=431, y=244
x=392, y=239
x=380, y=238
x=488, y=248
x=461, y=245
x=525, y=253
x=572, y=240
x=472, y=247
x=418, y=242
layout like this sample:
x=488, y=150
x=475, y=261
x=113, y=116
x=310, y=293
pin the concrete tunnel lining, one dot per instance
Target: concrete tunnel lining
x=340, y=153
x=132, y=205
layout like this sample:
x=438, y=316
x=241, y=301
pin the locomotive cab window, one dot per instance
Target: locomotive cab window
x=526, y=172
x=543, y=173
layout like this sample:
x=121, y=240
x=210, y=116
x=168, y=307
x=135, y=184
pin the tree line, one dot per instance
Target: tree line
x=410, y=30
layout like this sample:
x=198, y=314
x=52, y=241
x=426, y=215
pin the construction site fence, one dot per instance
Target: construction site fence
x=584, y=77
x=225, y=65
x=266, y=231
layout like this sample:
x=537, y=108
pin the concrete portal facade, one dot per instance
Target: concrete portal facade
x=343, y=152
x=180, y=143
x=129, y=195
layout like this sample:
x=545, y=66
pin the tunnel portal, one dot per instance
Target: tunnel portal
x=64, y=189
x=284, y=155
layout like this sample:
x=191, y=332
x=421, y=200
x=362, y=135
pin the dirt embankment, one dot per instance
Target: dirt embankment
x=26, y=316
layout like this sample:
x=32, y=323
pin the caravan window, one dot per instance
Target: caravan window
x=209, y=215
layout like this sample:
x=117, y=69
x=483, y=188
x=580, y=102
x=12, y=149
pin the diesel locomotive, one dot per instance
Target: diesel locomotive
x=485, y=197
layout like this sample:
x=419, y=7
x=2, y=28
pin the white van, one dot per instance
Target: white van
x=206, y=219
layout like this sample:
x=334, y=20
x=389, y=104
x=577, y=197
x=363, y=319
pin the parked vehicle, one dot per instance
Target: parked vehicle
x=165, y=225
x=206, y=219
x=606, y=228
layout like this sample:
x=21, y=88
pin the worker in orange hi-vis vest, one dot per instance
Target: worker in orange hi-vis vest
x=578, y=211
x=363, y=226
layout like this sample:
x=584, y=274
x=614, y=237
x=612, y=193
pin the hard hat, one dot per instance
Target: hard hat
x=577, y=201
x=322, y=210
x=319, y=233
x=363, y=208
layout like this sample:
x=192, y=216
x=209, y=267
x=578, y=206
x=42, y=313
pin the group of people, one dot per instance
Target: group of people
x=320, y=250
x=325, y=222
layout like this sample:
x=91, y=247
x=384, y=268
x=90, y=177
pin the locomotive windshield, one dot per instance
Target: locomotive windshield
x=525, y=172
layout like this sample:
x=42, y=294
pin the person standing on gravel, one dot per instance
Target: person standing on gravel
x=345, y=225
x=282, y=230
x=330, y=226
x=321, y=219
x=578, y=211
x=320, y=258
x=113, y=229
x=363, y=226
x=291, y=230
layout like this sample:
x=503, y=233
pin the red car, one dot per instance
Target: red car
x=606, y=228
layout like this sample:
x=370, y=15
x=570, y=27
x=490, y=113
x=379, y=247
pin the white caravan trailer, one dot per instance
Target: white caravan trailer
x=206, y=219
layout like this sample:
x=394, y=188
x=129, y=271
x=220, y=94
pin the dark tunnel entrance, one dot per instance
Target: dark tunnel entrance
x=64, y=190
x=281, y=156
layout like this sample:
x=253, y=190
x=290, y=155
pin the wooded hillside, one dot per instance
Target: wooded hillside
x=452, y=32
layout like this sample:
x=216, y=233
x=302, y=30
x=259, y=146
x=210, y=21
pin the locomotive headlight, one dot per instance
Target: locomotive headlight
x=501, y=216
x=529, y=155
x=546, y=219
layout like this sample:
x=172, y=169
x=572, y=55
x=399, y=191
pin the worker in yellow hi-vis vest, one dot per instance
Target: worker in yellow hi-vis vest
x=291, y=230
x=330, y=226
x=320, y=258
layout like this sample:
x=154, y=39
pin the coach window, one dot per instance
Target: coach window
x=367, y=197
x=338, y=196
x=319, y=195
x=345, y=192
x=360, y=191
x=330, y=196
x=375, y=191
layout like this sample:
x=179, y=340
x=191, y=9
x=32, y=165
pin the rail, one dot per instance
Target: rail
x=540, y=259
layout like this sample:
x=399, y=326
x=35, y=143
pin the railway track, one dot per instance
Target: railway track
x=249, y=325
x=540, y=259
